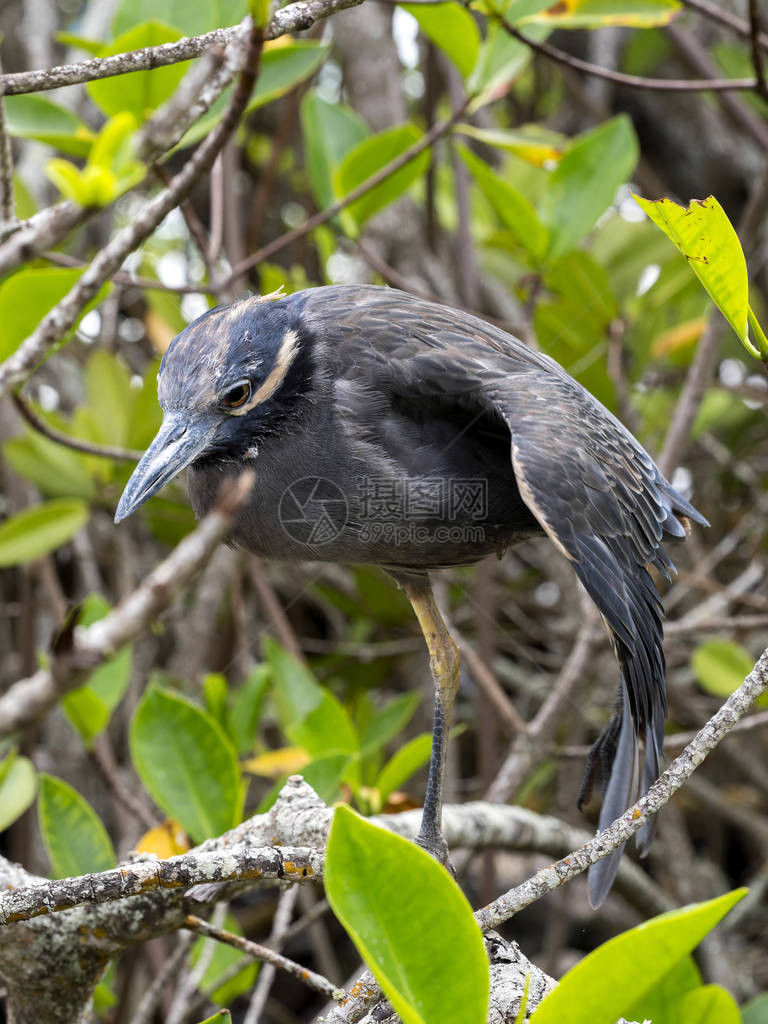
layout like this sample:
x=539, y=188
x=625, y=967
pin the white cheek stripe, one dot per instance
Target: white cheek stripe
x=289, y=347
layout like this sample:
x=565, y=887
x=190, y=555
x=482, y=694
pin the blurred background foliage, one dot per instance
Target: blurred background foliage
x=521, y=212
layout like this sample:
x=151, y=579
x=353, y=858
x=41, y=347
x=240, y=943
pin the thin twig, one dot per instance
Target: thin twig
x=173, y=964
x=29, y=699
x=427, y=140
x=126, y=277
x=724, y=17
x=280, y=925
x=259, y=952
x=527, y=746
x=761, y=88
x=7, y=209
x=64, y=315
x=700, y=62
x=86, y=447
x=619, y=77
x=189, y=982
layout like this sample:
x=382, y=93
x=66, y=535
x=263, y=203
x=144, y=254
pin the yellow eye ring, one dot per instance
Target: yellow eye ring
x=237, y=396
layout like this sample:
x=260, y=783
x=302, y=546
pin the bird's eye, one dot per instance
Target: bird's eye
x=237, y=396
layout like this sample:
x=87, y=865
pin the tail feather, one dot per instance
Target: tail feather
x=621, y=784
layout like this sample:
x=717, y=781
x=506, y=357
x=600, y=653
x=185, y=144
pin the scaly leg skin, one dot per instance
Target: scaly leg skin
x=444, y=665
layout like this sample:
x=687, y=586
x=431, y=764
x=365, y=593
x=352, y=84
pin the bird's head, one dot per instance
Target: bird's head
x=221, y=382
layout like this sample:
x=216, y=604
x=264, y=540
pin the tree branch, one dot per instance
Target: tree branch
x=619, y=77
x=724, y=17
x=761, y=87
x=611, y=838
x=64, y=315
x=296, y=17
x=290, y=863
x=29, y=699
x=7, y=211
x=254, y=949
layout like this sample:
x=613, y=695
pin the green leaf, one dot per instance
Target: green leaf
x=57, y=471
x=330, y=131
x=511, y=206
x=25, y=298
x=40, y=529
x=502, y=60
x=280, y=70
x=407, y=918
x=387, y=722
x=610, y=980
x=574, y=328
x=191, y=19
x=246, y=709
x=310, y=715
x=756, y=1012
x=76, y=840
x=34, y=117
x=707, y=240
x=365, y=160
x=532, y=142
x=186, y=762
x=720, y=666
x=215, y=693
x=598, y=13
x=18, y=785
x=140, y=92
x=93, y=46
x=403, y=764
x=109, y=393
x=710, y=1004
x=89, y=707
x=325, y=775
x=661, y=1004
x=451, y=28
x=585, y=182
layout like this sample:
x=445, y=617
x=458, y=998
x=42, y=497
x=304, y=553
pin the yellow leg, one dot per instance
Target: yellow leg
x=444, y=664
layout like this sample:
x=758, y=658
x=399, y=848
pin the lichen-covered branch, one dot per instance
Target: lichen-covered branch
x=241, y=863
x=605, y=842
x=295, y=17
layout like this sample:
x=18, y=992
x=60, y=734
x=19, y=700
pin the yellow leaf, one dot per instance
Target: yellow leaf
x=682, y=336
x=277, y=44
x=275, y=763
x=598, y=13
x=167, y=840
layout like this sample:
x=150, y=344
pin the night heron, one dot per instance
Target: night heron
x=390, y=431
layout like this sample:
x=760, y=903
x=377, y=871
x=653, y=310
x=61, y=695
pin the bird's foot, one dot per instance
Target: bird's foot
x=436, y=847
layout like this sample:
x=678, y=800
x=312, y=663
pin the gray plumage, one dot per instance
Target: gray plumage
x=353, y=384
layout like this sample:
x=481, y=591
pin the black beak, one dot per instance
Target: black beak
x=179, y=441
